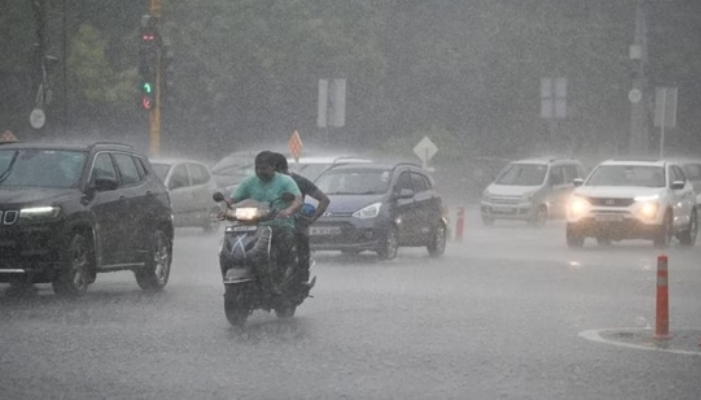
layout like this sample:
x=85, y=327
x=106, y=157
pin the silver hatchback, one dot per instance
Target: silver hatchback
x=190, y=185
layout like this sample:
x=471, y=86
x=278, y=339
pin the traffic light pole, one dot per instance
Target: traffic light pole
x=155, y=113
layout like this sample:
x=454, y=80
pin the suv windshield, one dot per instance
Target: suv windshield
x=522, y=175
x=627, y=175
x=41, y=168
x=358, y=182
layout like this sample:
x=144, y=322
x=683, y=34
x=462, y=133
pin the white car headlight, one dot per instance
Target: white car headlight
x=578, y=206
x=528, y=196
x=371, y=211
x=649, y=209
x=40, y=212
x=486, y=196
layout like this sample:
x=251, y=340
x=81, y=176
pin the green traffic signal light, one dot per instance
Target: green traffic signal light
x=147, y=88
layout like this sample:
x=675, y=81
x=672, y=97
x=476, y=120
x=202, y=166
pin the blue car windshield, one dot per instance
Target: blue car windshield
x=354, y=182
x=41, y=168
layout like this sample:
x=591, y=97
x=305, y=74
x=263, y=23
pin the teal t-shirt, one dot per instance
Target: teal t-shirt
x=269, y=192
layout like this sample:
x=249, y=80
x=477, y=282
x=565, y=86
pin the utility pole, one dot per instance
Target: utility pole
x=155, y=114
x=638, y=139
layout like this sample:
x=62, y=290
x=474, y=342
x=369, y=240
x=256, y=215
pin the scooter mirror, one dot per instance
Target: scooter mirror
x=218, y=197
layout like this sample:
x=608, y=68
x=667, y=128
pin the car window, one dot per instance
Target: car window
x=676, y=174
x=179, y=178
x=693, y=172
x=557, y=176
x=354, y=182
x=571, y=173
x=419, y=183
x=103, y=168
x=198, y=174
x=522, y=175
x=127, y=169
x=404, y=182
x=140, y=167
x=627, y=175
x=41, y=168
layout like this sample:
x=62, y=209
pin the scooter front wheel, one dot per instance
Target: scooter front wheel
x=235, y=306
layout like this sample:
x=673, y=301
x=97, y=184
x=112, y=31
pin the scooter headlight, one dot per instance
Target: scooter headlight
x=247, y=214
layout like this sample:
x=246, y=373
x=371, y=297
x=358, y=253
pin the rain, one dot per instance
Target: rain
x=513, y=188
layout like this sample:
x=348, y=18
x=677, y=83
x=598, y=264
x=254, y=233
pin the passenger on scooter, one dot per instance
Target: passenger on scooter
x=268, y=186
x=307, y=188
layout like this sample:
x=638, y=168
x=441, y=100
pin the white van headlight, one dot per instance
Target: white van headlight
x=371, y=211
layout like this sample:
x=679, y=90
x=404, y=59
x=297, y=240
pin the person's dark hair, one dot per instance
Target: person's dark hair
x=265, y=158
x=280, y=162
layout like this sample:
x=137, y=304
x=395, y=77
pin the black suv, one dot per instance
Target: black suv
x=379, y=207
x=69, y=212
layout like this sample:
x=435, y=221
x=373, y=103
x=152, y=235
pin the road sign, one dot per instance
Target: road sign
x=425, y=150
x=37, y=118
x=295, y=145
x=331, y=109
x=8, y=137
x=666, y=107
x=635, y=95
x=553, y=98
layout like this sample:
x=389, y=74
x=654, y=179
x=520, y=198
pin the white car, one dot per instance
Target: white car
x=633, y=200
x=190, y=185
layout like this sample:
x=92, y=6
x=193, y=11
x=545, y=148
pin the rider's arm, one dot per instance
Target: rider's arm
x=241, y=192
x=323, y=200
x=291, y=187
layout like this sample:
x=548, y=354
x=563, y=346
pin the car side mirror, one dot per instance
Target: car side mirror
x=218, y=197
x=106, y=184
x=405, y=194
x=678, y=185
x=577, y=182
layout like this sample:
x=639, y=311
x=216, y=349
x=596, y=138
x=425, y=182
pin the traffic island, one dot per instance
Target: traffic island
x=681, y=341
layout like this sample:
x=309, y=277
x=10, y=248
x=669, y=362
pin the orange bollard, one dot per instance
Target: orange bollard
x=662, y=314
x=460, y=224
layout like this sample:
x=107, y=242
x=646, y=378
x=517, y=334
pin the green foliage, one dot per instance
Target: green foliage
x=98, y=83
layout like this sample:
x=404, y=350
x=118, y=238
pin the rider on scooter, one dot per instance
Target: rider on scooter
x=308, y=188
x=268, y=186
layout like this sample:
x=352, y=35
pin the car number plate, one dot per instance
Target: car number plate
x=242, y=228
x=609, y=218
x=503, y=210
x=323, y=231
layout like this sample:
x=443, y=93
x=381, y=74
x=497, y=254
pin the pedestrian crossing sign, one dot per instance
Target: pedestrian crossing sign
x=295, y=146
x=8, y=137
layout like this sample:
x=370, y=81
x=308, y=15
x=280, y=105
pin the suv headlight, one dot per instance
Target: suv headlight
x=647, y=206
x=528, y=196
x=36, y=213
x=578, y=206
x=371, y=211
x=485, y=196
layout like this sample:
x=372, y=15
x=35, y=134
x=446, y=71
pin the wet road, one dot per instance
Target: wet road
x=498, y=317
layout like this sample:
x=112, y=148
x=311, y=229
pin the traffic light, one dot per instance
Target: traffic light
x=149, y=51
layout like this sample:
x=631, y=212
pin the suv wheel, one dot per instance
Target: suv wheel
x=390, y=245
x=154, y=276
x=574, y=238
x=665, y=232
x=73, y=280
x=688, y=237
x=540, y=216
x=438, y=241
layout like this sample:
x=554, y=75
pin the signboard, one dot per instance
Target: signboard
x=37, y=118
x=8, y=137
x=553, y=98
x=666, y=107
x=332, y=103
x=295, y=145
x=425, y=150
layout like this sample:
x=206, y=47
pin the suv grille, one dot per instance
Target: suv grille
x=609, y=202
x=504, y=200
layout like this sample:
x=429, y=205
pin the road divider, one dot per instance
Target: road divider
x=456, y=222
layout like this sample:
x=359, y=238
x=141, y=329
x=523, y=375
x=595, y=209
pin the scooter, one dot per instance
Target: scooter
x=252, y=277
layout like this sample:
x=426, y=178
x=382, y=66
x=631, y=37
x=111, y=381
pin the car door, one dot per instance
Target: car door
x=405, y=215
x=423, y=204
x=201, y=190
x=135, y=202
x=180, y=196
x=107, y=208
x=559, y=189
x=684, y=197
